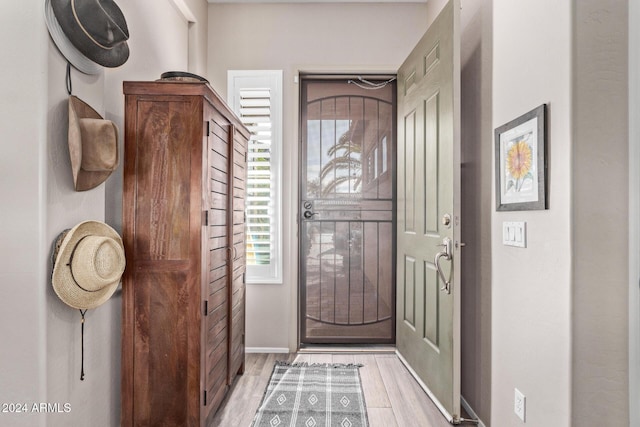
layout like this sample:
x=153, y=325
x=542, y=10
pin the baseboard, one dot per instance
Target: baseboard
x=266, y=350
x=470, y=411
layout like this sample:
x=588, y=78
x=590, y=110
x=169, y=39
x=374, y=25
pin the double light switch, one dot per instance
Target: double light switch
x=514, y=233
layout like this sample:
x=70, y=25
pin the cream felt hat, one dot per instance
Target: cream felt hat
x=88, y=262
x=93, y=145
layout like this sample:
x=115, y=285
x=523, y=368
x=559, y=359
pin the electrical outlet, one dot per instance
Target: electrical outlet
x=520, y=404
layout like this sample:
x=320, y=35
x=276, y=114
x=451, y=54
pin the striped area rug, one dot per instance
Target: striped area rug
x=310, y=395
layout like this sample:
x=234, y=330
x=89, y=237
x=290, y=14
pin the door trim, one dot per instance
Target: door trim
x=634, y=214
x=291, y=158
x=297, y=188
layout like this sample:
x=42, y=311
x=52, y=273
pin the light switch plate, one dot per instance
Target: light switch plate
x=514, y=233
x=520, y=404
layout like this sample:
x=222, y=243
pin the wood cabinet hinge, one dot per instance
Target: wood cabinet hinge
x=205, y=398
x=206, y=307
x=208, y=129
x=205, y=220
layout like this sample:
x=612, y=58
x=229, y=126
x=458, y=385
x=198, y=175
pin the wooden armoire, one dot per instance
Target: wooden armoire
x=183, y=230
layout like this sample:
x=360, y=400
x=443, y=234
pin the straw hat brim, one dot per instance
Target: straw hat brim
x=62, y=279
x=64, y=45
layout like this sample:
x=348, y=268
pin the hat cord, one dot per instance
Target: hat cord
x=82, y=345
x=68, y=79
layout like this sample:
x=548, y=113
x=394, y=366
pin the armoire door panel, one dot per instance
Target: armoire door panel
x=162, y=215
x=161, y=325
x=217, y=230
x=218, y=295
x=218, y=187
x=216, y=274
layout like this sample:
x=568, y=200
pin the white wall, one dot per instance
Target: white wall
x=63, y=208
x=23, y=257
x=531, y=291
x=302, y=37
x=560, y=307
x=40, y=357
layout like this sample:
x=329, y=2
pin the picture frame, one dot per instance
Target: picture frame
x=521, y=162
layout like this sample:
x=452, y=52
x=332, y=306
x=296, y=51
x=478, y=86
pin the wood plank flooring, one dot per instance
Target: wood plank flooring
x=392, y=396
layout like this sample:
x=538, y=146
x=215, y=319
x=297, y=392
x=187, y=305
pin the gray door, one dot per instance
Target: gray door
x=428, y=313
x=347, y=229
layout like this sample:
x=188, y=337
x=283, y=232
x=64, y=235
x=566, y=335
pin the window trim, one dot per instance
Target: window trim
x=272, y=79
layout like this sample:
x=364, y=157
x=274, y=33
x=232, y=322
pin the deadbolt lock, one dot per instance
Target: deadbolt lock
x=446, y=220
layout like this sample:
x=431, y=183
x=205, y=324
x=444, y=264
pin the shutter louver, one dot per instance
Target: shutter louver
x=255, y=113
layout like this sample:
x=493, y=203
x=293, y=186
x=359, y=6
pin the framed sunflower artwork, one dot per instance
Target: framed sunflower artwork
x=521, y=162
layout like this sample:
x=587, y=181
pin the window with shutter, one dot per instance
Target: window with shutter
x=256, y=97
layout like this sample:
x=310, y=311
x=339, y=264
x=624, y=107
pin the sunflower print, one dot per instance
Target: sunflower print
x=519, y=159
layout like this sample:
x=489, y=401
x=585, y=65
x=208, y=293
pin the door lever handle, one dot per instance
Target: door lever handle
x=446, y=254
x=309, y=214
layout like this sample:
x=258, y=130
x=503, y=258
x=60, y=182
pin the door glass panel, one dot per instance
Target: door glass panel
x=347, y=201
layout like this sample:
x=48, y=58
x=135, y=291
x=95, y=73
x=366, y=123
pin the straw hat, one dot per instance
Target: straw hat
x=96, y=28
x=93, y=145
x=88, y=263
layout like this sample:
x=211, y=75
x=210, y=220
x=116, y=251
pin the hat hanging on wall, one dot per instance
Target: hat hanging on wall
x=93, y=145
x=73, y=55
x=88, y=262
x=88, y=31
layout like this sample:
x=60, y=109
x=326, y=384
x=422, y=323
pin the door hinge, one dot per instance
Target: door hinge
x=206, y=218
x=208, y=130
x=206, y=307
x=205, y=398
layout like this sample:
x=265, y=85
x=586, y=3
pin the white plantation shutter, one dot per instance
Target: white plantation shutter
x=255, y=113
x=256, y=98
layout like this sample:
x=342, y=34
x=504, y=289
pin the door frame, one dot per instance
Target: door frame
x=634, y=215
x=293, y=159
x=301, y=295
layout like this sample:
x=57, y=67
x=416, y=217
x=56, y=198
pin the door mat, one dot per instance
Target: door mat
x=309, y=395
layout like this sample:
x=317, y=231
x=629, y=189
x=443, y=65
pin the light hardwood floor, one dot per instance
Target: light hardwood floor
x=392, y=396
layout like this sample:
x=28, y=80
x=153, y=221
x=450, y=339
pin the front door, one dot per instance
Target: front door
x=428, y=254
x=347, y=229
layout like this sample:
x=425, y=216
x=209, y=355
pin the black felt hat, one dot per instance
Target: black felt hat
x=97, y=28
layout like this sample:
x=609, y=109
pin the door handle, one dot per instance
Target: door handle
x=309, y=214
x=232, y=251
x=446, y=254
